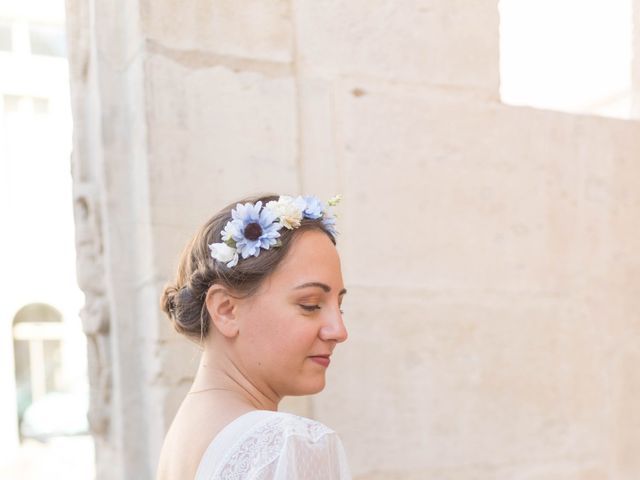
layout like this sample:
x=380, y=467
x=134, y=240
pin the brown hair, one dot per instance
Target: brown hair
x=183, y=300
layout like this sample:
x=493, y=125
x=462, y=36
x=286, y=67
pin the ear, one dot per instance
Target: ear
x=221, y=307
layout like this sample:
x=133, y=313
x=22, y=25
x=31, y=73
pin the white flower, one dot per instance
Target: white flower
x=288, y=210
x=224, y=253
x=335, y=200
x=231, y=230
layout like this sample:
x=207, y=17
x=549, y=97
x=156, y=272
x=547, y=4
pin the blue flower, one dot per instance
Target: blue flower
x=251, y=229
x=314, y=207
x=329, y=222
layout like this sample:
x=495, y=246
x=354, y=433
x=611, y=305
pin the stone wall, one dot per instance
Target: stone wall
x=489, y=251
x=635, y=75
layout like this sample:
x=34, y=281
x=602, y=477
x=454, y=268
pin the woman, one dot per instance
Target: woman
x=260, y=288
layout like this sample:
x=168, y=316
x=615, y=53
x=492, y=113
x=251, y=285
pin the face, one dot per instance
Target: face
x=294, y=317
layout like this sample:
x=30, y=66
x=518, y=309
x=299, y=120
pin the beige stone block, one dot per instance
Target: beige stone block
x=439, y=383
x=214, y=135
x=489, y=253
x=635, y=58
x=554, y=471
x=452, y=43
x=249, y=29
x=450, y=193
x=625, y=410
x=319, y=152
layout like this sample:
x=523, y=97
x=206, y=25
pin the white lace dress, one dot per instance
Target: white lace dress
x=266, y=445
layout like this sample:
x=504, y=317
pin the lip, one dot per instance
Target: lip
x=323, y=360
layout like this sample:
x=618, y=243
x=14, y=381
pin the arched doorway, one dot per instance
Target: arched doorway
x=37, y=343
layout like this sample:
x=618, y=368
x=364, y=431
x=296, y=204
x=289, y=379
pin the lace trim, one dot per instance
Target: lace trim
x=265, y=443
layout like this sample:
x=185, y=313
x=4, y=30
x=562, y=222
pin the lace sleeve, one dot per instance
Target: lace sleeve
x=285, y=447
x=306, y=458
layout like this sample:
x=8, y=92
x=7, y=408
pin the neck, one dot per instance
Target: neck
x=218, y=372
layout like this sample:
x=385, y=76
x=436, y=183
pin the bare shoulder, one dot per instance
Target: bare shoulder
x=196, y=424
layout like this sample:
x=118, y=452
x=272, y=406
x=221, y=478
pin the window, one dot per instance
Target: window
x=31, y=105
x=47, y=40
x=12, y=103
x=37, y=342
x=6, y=43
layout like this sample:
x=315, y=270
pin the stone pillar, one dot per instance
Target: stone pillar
x=90, y=212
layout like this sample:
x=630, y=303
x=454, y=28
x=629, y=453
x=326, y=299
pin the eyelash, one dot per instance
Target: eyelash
x=311, y=308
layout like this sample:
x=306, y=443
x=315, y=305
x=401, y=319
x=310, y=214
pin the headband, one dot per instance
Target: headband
x=254, y=227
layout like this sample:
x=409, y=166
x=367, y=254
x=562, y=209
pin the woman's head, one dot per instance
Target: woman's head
x=277, y=316
x=184, y=300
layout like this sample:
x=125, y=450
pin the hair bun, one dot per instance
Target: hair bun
x=184, y=312
x=168, y=300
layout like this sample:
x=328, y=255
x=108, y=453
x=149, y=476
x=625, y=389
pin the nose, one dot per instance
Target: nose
x=333, y=328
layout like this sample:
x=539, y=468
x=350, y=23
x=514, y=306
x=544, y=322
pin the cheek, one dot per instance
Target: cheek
x=269, y=326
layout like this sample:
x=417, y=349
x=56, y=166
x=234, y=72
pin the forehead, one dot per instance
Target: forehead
x=311, y=257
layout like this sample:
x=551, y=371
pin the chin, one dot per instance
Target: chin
x=310, y=388
x=317, y=390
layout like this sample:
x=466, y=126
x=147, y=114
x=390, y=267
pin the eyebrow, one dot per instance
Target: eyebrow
x=323, y=286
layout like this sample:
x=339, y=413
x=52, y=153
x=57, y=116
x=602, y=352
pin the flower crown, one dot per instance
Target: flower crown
x=253, y=227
